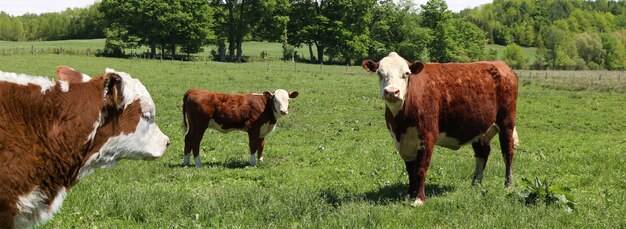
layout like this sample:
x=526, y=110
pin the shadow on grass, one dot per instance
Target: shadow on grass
x=226, y=164
x=386, y=195
x=398, y=192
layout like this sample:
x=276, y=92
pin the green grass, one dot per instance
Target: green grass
x=331, y=162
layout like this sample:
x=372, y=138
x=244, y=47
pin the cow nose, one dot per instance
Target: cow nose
x=168, y=143
x=283, y=112
x=392, y=92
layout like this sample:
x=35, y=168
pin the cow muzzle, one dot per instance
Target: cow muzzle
x=391, y=94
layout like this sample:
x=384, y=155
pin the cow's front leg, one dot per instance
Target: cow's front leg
x=254, y=143
x=424, y=155
x=411, y=170
x=481, y=153
x=260, y=149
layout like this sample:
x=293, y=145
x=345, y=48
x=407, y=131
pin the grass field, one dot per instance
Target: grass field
x=331, y=162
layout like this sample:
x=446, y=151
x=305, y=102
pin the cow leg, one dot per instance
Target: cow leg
x=254, y=143
x=481, y=153
x=506, y=145
x=260, y=149
x=424, y=155
x=411, y=170
x=192, y=144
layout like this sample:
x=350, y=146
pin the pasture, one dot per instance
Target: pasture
x=331, y=161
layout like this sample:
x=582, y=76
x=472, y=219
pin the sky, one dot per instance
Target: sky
x=20, y=7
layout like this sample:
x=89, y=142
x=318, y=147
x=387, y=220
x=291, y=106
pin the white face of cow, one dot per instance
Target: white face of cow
x=281, y=100
x=144, y=142
x=393, y=74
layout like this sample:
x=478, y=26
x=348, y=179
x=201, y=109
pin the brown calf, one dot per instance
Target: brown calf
x=255, y=114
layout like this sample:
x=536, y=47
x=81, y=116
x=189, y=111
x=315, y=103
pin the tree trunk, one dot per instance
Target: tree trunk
x=320, y=53
x=153, y=50
x=239, y=51
x=221, y=50
x=231, y=48
x=173, y=47
x=311, y=57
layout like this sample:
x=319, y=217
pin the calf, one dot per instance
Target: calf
x=54, y=133
x=447, y=105
x=255, y=114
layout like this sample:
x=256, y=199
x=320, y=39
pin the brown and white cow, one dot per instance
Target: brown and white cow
x=255, y=114
x=54, y=133
x=447, y=105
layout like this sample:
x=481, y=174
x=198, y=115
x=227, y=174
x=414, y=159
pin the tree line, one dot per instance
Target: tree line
x=568, y=34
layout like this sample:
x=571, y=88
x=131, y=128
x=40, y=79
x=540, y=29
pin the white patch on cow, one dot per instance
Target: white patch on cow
x=197, y=161
x=408, y=145
x=448, y=142
x=23, y=79
x=490, y=133
x=515, y=138
x=65, y=86
x=478, y=170
x=86, y=77
x=92, y=135
x=33, y=210
x=147, y=142
x=266, y=128
x=281, y=103
x=252, y=160
x=417, y=202
x=394, y=73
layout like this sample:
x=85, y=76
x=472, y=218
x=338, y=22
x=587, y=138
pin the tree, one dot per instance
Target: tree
x=158, y=23
x=615, y=58
x=589, y=49
x=514, y=56
x=470, y=39
x=436, y=16
x=395, y=28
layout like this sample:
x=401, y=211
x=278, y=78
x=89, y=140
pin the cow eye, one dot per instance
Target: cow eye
x=406, y=75
x=147, y=115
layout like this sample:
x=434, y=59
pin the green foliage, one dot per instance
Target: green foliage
x=536, y=191
x=168, y=25
x=78, y=23
x=515, y=57
x=436, y=16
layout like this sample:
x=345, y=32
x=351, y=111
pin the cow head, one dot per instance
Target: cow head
x=393, y=73
x=281, y=100
x=126, y=128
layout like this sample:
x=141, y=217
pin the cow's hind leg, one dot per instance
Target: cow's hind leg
x=481, y=153
x=192, y=144
x=506, y=145
x=424, y=154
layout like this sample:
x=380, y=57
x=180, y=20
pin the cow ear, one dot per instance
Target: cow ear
x=416, y=67
x=113, y=96
x=268, y=94
x=370, y=65
x=70, y=75
x=294, y=94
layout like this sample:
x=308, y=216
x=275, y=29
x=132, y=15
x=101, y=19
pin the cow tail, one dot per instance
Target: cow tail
x=185, y=112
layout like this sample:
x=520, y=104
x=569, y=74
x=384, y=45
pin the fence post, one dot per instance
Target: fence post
x=32, y=49
x=546, y=77
x=600, y=77
x=619, y=78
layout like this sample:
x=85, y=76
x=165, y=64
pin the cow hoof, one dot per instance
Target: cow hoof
x=417, y=203
x=185, y=165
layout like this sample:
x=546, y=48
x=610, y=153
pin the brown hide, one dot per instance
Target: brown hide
x=245, y=112
x=462, y=100
x=44, y=139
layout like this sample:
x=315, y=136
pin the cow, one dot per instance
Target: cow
x=447, y=104
x=53, y=133
x=255, y=114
